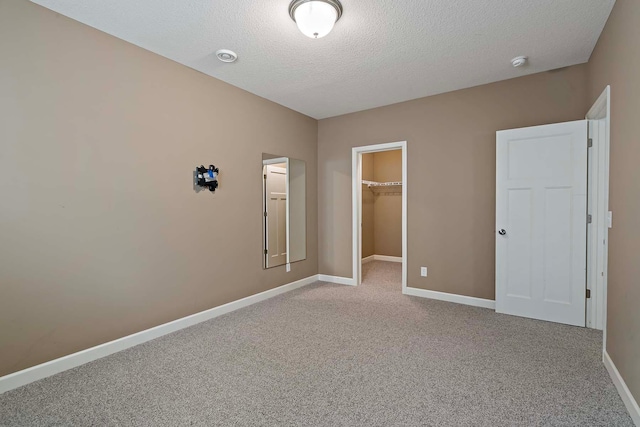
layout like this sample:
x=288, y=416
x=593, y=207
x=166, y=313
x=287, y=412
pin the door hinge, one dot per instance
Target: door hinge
x=588, y=293
x=265, y=176
x=589, y=219
x=265, y=251
x=590, y=142
x=265, y=214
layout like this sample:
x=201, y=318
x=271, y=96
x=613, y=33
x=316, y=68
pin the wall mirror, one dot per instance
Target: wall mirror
x=284, y=184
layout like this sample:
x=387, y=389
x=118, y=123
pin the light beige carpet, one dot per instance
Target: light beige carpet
x=331, y=355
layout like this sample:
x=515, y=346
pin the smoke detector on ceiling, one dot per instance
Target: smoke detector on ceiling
x=226, y=55
x=519, y=61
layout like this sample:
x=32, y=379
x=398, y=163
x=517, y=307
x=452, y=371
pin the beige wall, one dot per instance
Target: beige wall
x=368, y=200
x=102, y=234
x=387, y=208
x=387, y=166
x=616, y=61
x=451, y=173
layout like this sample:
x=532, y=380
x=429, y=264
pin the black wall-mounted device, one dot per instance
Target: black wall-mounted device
x=207, y=177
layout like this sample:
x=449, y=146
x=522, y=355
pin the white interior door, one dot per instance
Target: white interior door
x=276, y=215
x=541, y=222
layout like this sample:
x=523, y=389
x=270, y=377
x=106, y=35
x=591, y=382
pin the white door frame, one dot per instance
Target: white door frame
x=599, y=117
x=356, y=210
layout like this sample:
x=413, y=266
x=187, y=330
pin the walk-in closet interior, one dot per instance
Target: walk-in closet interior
x=382, y=218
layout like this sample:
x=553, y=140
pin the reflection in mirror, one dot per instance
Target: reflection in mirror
x=285, y=217
x=275, y=204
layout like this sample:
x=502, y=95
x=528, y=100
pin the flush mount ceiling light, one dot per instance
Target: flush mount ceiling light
x=315, y=18
x=226, y=55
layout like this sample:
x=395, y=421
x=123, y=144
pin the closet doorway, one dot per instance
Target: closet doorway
x=379, y=196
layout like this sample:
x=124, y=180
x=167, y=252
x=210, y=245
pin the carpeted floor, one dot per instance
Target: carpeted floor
x=331, y=355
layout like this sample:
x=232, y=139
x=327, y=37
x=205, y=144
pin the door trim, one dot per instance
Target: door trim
x=599, y=193
x=356, y=206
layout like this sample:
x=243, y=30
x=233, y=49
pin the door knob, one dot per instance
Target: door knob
x=502, y=232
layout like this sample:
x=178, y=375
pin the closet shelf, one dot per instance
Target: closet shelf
x=391, y=188
x=372, y=184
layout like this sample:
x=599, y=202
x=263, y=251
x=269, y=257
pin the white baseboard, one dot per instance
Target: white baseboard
x=336, y=279
x=368, y=259
x=443, y=296
x=38, y=372
x=387, y=258
x=381, y=258
x=623, y=390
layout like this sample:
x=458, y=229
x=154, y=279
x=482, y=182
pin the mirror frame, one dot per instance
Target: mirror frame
x=273, y=160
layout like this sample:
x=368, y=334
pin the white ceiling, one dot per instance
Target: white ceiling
x=380, y=52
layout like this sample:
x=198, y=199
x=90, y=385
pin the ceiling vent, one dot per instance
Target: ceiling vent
x=519, y=61
x=226, y=55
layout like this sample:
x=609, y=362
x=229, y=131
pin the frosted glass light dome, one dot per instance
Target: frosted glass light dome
x=315, y=18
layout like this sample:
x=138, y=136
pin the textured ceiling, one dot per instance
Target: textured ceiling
x=380, y=52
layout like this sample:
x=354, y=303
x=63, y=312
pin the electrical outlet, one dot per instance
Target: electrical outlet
x=288, y=267
x=423, y=271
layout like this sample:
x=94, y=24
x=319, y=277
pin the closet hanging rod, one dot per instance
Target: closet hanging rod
x=381, y=184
